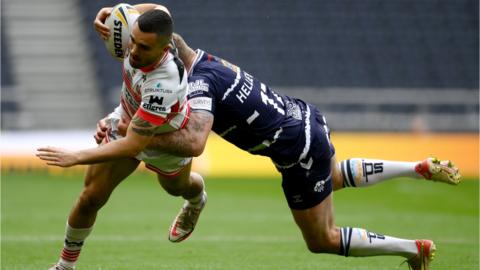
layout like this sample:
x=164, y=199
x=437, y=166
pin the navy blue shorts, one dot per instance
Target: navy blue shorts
x=309, y=182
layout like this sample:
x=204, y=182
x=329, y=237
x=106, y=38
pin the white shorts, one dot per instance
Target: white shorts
x=157, y=161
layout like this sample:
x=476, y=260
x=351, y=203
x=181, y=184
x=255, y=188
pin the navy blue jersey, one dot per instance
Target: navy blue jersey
x=248, y=113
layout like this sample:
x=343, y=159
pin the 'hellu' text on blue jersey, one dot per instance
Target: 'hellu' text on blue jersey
x=247, y=112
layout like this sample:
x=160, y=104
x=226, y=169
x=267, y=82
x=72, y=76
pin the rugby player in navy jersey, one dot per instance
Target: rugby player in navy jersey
x=249, y=114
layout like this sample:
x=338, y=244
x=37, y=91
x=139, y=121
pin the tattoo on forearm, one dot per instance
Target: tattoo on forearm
x=142, y=127
x=139, y=122
x=143, y=132
x=180, y=142
x=199, y=123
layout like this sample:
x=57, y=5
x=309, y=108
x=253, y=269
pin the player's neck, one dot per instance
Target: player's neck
x=157, y=63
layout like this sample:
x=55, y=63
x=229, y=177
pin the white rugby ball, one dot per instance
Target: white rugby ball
x=120, y=21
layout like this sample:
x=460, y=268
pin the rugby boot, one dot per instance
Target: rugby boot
x=185, y=222
x=426, y=252
x=57, y=266
x=441, y=171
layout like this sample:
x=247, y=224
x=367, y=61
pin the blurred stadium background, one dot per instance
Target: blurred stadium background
x=407, y=68
x=396, y=79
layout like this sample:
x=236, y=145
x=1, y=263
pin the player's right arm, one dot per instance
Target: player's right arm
x=186, y=142
x=139, y=134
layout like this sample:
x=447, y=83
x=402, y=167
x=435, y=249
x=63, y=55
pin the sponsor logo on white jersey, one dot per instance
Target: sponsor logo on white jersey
x=154, y=104
x=157, y=90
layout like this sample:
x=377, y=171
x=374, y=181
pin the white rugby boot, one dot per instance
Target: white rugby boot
x=58, y=266
x=185, y=222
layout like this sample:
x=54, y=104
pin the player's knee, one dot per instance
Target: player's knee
x=324, y=243
x=196, y=180
x=91, y=201
x=320, y=247
x=174, y=190
x=316, y=248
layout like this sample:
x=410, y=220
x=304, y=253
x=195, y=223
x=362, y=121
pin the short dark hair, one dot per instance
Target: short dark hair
x=156, y=21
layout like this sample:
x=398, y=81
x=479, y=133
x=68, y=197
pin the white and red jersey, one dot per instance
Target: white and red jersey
x=158, y=93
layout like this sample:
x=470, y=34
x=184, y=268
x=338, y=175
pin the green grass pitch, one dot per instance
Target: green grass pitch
x=246, y=225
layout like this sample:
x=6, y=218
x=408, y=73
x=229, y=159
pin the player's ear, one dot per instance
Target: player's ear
x=164, y=42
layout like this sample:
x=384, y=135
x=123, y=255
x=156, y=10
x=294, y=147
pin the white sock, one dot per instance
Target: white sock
x=361, y=172
x=200, y=197
x=361, y=243
x=74, y=239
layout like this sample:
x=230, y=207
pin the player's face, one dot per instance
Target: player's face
x=145, y=48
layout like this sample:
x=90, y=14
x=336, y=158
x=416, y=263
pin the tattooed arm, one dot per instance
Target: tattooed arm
x=139, y=134
x=189, y=141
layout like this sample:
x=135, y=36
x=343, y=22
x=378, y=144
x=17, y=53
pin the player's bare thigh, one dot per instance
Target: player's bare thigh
x=100, y=180
x=107, y=175
x=318, y=223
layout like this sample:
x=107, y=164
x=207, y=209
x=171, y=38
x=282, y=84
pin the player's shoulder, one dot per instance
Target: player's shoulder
x=212, y=70
x=170, y=74
x=206, y=62
x=170, y=67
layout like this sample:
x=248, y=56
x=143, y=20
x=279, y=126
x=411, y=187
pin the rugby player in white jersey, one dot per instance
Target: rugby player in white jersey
x=154, y=101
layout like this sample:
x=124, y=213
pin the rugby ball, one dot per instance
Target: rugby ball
x=120, y=21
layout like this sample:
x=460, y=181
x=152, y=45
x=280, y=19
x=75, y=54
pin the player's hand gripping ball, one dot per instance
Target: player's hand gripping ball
x=120, y=22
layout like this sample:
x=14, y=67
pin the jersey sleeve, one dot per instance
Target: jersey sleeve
x=160, y=100
x=201, y=94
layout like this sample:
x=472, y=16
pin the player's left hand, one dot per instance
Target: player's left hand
x=123, y=126
x=101, y=131
x=57, y=156
x=99, y=22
